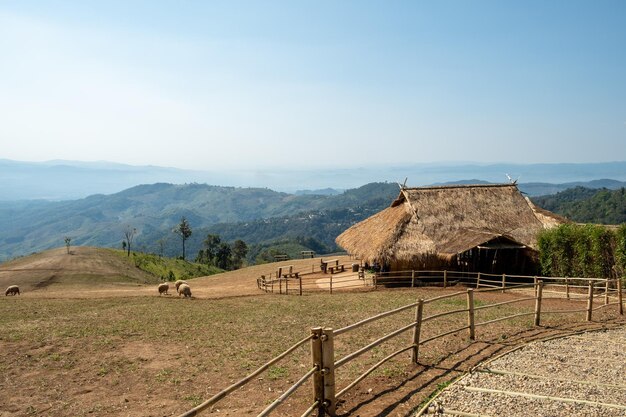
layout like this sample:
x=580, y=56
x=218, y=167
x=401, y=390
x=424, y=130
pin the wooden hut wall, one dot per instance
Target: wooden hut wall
x=430, y=262
x=500, y=261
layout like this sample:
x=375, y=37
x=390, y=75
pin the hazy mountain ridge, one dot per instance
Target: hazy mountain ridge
x=65, y=180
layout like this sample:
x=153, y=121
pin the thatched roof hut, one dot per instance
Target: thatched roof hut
x=448, y=226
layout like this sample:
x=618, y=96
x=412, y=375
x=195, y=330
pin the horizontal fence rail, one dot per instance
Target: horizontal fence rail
x=324, y=365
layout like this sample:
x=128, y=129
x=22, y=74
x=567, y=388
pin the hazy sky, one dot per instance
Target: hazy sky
x=212, y=84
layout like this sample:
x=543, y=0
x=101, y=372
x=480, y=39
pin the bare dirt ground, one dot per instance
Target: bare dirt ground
x=67, y=369
x=53, y=275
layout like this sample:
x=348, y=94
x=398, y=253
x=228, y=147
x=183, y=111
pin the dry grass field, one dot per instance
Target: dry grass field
x=90, y=336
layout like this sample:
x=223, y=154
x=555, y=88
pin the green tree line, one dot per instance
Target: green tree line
x=222, y=254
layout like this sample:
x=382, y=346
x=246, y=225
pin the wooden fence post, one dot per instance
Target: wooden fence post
x=503, y=282
x=567, y=288
x=286, y=286
x=280, y=285
x=318, y=377
x=478, y=281
x=470, y=313
x=606, y=292
x=412, y=278
x=300, y=284
x=590, y=301
x=375, y=280
x=619, y=296
x=331, y=283
x=417, y=329
x=445, y=278
x=328, y=371
x=538, y=290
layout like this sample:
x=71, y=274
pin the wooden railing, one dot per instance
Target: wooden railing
x=288, y=279
x=324, y=364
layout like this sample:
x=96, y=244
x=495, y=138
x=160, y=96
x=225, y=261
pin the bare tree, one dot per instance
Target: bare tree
x=161, y=243
x=67, y=243
x=129, y=234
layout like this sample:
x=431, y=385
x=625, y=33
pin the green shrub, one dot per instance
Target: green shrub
x=572, y=250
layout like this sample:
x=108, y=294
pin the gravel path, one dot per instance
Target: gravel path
x=582, y=375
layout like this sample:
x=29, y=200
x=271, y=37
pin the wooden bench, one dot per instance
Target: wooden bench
x=278, y=258
x=325, y=265
x=307, y=254
x=337, y=269
x=287, y=272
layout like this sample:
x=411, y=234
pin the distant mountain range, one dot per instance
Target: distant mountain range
x=155, y=210
x=67, y=180
x=34, y=218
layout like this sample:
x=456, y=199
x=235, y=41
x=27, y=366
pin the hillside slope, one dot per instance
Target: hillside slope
x=586, y=205
x=89, y=272
x=83, y=267
x=154, y=210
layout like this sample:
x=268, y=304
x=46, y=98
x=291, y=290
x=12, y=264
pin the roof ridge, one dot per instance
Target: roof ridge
x=437, y=187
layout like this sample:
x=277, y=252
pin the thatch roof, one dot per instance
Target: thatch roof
x=445, y=221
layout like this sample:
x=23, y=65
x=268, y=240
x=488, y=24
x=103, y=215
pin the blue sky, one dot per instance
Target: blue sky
x=206, y=85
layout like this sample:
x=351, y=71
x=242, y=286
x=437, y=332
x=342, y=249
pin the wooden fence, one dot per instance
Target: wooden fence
x=324, y=364
x=288, y=280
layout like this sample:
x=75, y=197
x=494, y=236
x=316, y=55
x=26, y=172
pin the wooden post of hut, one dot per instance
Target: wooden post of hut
x=470, y=313
x=417, y=329
x=538, y=291
x=590, y=301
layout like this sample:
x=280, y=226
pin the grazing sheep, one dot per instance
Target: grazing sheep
x=163, y=288
x=13, y=289
x=178, y=283
x=185, y=290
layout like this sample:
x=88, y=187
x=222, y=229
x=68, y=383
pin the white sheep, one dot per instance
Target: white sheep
x=13, y=290
x=178, y=283
x=185, y=290
x=163, y=288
